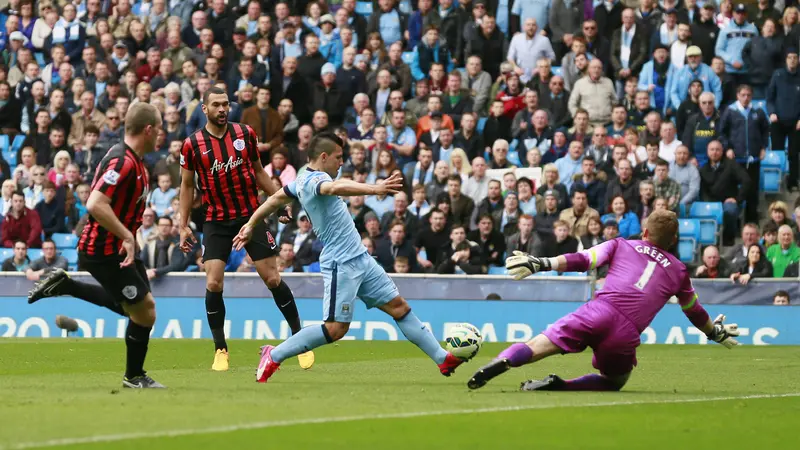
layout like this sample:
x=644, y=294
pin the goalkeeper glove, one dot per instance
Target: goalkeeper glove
x=722, y=333
x=522, y=265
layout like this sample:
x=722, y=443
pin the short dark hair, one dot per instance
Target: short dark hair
x=46, y=240
x=525, y=180
x=662, y=162
x=91, y=128
x=19, y=193
x=454, y=177
x=578, y=189
x=651, y=143
x=325, y=142
x=782, y=293
x=486, y=216
x=165, y=217
x=48, y=185
x=212, y=90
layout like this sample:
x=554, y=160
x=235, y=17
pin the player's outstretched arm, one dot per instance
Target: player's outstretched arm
x=273, y=203
x=522, y=265
x=185, y=207
x=715, y=330
x=349, y=188
x=99, y=206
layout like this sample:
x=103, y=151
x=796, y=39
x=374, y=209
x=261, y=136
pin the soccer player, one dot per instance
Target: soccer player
x=225, y=157
x=107, y=247
x=642, y=277
x=348, y=270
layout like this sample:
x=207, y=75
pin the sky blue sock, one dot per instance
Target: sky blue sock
x=416, y=332
x=304, y=340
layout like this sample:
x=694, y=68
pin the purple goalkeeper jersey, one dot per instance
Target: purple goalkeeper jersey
x=641, y=278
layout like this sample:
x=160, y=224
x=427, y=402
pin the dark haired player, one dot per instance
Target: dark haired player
x=642, y=277
x=226, y=160
x=348, y=270
x=107, y=247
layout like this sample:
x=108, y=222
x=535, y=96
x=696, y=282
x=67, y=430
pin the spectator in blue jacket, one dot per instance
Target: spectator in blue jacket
x=428, y=51
x=626, y=219
x=389, y=22
x=744, y=133
x=655, y=78
x=731, y=42
x=419, y=21
x=695, y=69
x=784, y=112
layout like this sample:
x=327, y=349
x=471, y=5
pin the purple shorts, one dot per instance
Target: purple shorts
x=598, y=325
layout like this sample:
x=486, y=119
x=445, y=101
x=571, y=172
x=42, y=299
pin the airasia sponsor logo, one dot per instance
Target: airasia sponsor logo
x=226, y=166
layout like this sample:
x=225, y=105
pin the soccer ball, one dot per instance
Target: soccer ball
x=463, y=341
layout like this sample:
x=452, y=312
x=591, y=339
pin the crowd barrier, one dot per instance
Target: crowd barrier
x=524, y=309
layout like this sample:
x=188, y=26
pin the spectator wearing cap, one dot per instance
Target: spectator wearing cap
x=120, y=57
x=595, y=94
x=732, y=40
x=667, y=32
x=528, y=47
x=628, y=48
x=695, y=69
x=488, y=42
x=327, y=96
x=69, y=32
x=705, y=32
x=389, y=22
x=327, y=36
x=655, y=77
x=784, y=112
x=762, y=55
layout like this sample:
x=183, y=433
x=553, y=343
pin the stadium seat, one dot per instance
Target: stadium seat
x=408, y=57
x=556, y=70
x=312, y=268
x=192, y=268
x=70, y=254
x=364, y=8
x=688, y=236
x=65, y=240
x=513, y=158
x=710, y=215
x=775, y=159
x=481, y=125
x=6, y=253
x=772, y=170
x=17, y=144
x=34, y=253
x=497, y=270
x=574, y=274
x=682, y=210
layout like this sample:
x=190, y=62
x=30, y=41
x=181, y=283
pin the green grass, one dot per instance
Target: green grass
x=388, y=395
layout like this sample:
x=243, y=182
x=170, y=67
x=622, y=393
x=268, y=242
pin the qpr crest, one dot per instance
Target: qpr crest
x=238, y=145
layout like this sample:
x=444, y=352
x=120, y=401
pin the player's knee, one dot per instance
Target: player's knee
x=273, y=279
x=144, y=313
x=619, y=381
x=397, y=308
x=337, y=330
x=214, y=284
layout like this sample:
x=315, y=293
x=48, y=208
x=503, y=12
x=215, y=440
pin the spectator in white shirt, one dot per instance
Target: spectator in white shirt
x=668, y=143
x=527, y=48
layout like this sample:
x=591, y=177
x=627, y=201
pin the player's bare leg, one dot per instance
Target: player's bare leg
x=215, y=312
x=137, y=336
x=416, y=332
x=267, y=269
x=516, y=355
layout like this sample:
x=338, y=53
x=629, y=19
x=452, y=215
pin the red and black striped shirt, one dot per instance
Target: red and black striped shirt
x=122, y=177
x=225, y=169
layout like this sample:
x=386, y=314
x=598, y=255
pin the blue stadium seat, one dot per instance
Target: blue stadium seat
x=775, y=159
x=513, y=158
x=556, y=70
x=481, y=125
x=192, y=268
x=770, y=180
x=312, y=268
x=574, y=274
x=497, y=270
x=364, y=8
x=408, y=57
x=682, y=210
x=17, y=144
x=70, y=254
x=34, y=253
x=6, y=253
x=688, y=236
x=65, y=240
x=710, y=215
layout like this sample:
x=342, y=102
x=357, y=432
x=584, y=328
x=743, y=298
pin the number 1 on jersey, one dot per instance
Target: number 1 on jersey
x=648, y=272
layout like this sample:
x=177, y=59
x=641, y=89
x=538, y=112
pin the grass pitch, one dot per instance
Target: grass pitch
x=388, y=395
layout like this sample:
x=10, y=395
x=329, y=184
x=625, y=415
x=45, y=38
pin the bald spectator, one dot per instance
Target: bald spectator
x=784, y=253
x=595, y=93
x=738, y=253
x=713, y=266
x=528, y=47
x=477, y=185
x=479, y=83
x=718, y=183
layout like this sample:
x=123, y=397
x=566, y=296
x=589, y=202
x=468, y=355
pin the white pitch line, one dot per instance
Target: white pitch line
x=323, y=420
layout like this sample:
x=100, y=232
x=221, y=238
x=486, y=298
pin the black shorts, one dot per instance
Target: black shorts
x=218, y=240
x=126, y=284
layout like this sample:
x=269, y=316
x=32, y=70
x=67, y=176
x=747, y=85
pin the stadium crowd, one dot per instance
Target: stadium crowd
x=624, y=107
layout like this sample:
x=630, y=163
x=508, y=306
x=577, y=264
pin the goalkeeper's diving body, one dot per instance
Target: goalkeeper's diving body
x=642, y=277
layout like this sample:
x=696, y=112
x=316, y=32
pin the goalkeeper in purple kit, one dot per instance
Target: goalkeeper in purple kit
x=642, y=277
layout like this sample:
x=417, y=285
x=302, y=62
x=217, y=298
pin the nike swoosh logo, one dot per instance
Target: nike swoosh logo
x=287, y=304
x=211, y=312
x=205, y=152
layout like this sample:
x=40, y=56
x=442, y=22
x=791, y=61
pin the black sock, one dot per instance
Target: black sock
x=284, y=299
x=136, y=339
x=91, y=293
x=215, y=313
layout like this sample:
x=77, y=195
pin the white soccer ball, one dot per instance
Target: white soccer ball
x=463, y=341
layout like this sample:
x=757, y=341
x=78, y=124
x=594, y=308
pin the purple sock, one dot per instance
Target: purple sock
x=518, y=354
x=591, y=382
